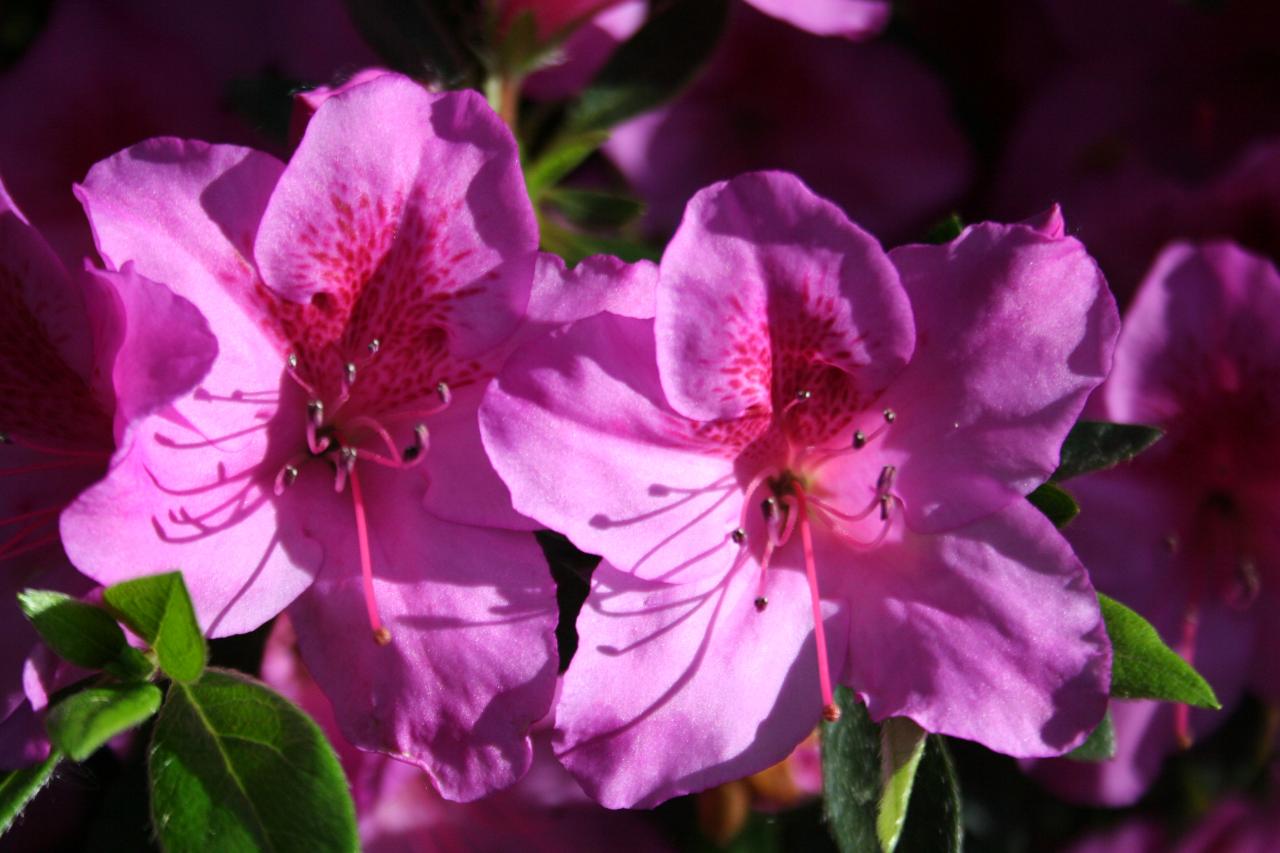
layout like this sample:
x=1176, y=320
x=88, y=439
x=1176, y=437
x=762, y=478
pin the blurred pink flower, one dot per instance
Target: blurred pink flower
x=1142, y=132
x=105, y=74
x=72, y=369
x=1188, y=533
x=864, y=124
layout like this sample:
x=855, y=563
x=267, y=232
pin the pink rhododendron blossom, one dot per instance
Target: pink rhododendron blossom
x=552, y=18
x=70, y=368
x=852, y=19
x=889, y=154
x=398, y=811
x=586, y=51
x=1141, y=131
x=1187, y=533
x=331, y=462
x=808, y=469
x=105, y=74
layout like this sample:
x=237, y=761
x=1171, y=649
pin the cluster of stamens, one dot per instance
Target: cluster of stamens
x=787, y=508
x=336, y=442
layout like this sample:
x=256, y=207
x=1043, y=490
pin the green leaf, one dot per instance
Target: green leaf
x=651, y=66
x=901, y=747
x=84, y=721
x=159, y=611
x=561, y=158
x=19, y=787
x=864, y=794
x=83, y=634
x=233, y=761
x=434, y=39
x=1100, y=745
x=1094, y=446
x=946, y=230
x=573, y=246
x=851, y=775
x=595, y=209
x=1143, y=667
x=1055, y=502
x=935, y=819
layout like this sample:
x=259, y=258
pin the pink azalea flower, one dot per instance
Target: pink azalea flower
x=69, y=364
x=852, y=19
x=595, y=29
x=105, y=74
x=552, y=18
x=586, y=51
x=399, y=812
x=808, y=469
x=1138, y=135
x=804, y=115
x=1187, y=534
x=331, y=462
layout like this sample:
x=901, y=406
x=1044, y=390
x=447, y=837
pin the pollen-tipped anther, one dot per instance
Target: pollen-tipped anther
x=286, y=477
x=443, y=392
x=292, y=360
x=859, y=439
x=769, y=508
x=315, y=411
x=802, y=396
x=349, y=372
x=415, y=451
x=382, y=636
x=374, y=346
x=738, y=536
x=347, y=456
x=761, y=603
x=890, y=416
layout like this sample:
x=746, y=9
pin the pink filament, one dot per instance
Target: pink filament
x=380, y=633
x=764, y=568
x=830, y=711
x=756, y=482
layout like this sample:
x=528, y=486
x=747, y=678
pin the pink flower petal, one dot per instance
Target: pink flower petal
x=851, y=19
x=392, y=228
x=638, y=485
x=472, y=661
x=998, y=617
x=762, y=274
x=726, y=689
x=1014, y=331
